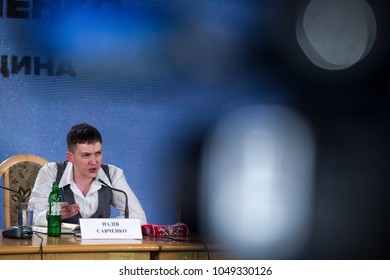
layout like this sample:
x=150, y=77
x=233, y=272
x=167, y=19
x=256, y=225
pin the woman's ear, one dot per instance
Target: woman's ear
x=69, y=156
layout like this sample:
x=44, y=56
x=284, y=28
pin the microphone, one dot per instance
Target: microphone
x=126, y=202
x=20, y=231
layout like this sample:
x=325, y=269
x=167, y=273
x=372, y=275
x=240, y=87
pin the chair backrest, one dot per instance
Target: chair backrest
x=19, y=173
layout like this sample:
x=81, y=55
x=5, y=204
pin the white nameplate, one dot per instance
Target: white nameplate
x=110, y=228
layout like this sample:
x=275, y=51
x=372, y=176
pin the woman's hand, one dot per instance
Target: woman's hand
x=69, y=210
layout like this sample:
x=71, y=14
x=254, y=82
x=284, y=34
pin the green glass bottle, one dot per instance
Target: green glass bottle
x=54, y=215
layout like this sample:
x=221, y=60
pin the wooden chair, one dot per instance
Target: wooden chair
x=19, y=173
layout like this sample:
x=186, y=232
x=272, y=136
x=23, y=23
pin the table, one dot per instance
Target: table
x=70, y=247
x=179, y=248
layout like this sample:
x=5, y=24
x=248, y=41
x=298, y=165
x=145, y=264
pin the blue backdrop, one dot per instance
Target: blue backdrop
x=152, y=76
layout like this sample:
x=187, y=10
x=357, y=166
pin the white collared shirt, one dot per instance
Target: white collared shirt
x=89, y=203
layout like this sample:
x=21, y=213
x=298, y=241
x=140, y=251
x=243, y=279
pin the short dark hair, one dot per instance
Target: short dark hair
x=82, y=134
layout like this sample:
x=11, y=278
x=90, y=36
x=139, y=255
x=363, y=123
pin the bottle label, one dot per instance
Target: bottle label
x=55, y=208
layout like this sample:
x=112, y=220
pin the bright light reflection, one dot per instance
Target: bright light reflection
x=256, y=183
x=336, y=34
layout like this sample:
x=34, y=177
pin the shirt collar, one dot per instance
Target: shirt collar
x=67, y=177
